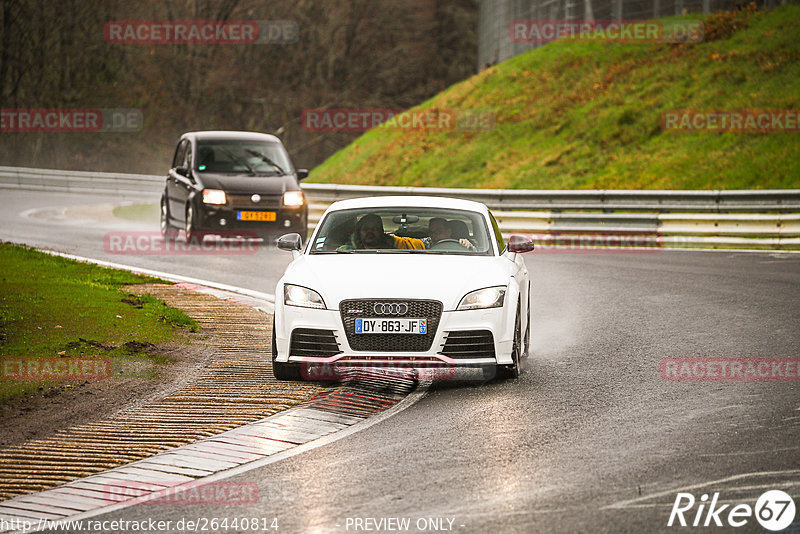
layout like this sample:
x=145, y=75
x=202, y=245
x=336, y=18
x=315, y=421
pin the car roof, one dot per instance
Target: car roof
x=229, y=135
x=408, y=200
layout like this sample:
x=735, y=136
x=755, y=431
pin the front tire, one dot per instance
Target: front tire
x=528, y=330
x=512, y=371
x=168, y=232
x=280, y=370
x=190, y=228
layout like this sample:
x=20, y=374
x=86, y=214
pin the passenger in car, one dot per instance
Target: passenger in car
x=369, y=234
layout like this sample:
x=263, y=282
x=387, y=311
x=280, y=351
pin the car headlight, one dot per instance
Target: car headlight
x=490, y=297
x=214, y=196
x=293, y=198
x=302, y=296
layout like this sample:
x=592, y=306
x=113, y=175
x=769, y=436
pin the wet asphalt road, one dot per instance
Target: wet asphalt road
x=589, y=439
x=37, y=219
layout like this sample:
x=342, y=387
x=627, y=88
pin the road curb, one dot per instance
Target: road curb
x=331, y=416
x=330, y=413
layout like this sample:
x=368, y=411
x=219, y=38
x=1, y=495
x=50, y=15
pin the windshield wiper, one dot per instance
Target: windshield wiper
x=332, y=251
x=237, y=160
x=261, y=156
x=402, y=251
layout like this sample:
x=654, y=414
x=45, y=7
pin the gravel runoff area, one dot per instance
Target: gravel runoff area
x=224, y=382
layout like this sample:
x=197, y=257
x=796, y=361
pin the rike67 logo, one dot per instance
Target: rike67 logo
x=774, y=510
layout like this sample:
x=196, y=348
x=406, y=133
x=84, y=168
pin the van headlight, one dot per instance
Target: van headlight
x=214, y=196
x=490, y=297
x=293, y=199
x=302, y=296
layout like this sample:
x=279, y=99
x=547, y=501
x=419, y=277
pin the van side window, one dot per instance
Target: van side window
x=180, y=154
x=188, y=160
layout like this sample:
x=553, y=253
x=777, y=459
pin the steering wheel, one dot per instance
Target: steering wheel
x=447, y=244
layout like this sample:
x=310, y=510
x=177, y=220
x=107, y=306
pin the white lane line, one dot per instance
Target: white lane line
x=748, y=453
x=244, y=456
x=268, y=299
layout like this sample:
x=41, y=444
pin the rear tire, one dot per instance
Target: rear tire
x=280, y=370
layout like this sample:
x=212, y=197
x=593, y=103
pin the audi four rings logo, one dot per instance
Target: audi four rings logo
x=390, y=308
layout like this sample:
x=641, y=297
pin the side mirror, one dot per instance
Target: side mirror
x=302, y=174
x=183, y=171
x=290, y=242
x=520, y=244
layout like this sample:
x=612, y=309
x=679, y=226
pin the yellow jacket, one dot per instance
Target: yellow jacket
x=408, y=242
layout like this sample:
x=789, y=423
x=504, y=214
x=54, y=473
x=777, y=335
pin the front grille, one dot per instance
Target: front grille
x=469, y=344
x=312, y=342
x=425, y=309
x=243, y=202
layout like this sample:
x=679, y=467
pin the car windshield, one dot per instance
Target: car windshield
x=404, y=230
x=242, y=157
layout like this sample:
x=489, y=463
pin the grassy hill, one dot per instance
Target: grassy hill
x=585, y=115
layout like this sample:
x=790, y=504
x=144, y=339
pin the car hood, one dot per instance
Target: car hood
x=242, y=183
x=446, y=278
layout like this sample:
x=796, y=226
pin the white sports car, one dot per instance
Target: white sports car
x=404, y=282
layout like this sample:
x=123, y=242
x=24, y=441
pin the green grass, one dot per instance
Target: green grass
x=585, y=115
x=48, y=305
x=138, y=212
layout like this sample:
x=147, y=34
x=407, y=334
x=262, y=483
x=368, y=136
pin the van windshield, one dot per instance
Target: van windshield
x=242, y=157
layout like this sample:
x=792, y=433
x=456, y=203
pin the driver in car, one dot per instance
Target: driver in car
x=439, y=230
x=369, y=234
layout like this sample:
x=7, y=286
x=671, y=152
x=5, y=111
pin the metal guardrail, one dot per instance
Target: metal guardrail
x=787, y=200
x=783, y=200
x=79, y=181
x=744, y=218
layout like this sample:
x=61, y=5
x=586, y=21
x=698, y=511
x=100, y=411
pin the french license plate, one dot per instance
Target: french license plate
x=391, y=326
x=268, y=216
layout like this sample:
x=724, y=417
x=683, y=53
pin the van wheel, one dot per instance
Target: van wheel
x=168, y=232
x=190, y=228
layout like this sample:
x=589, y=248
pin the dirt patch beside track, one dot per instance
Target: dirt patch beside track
x=220, y=381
